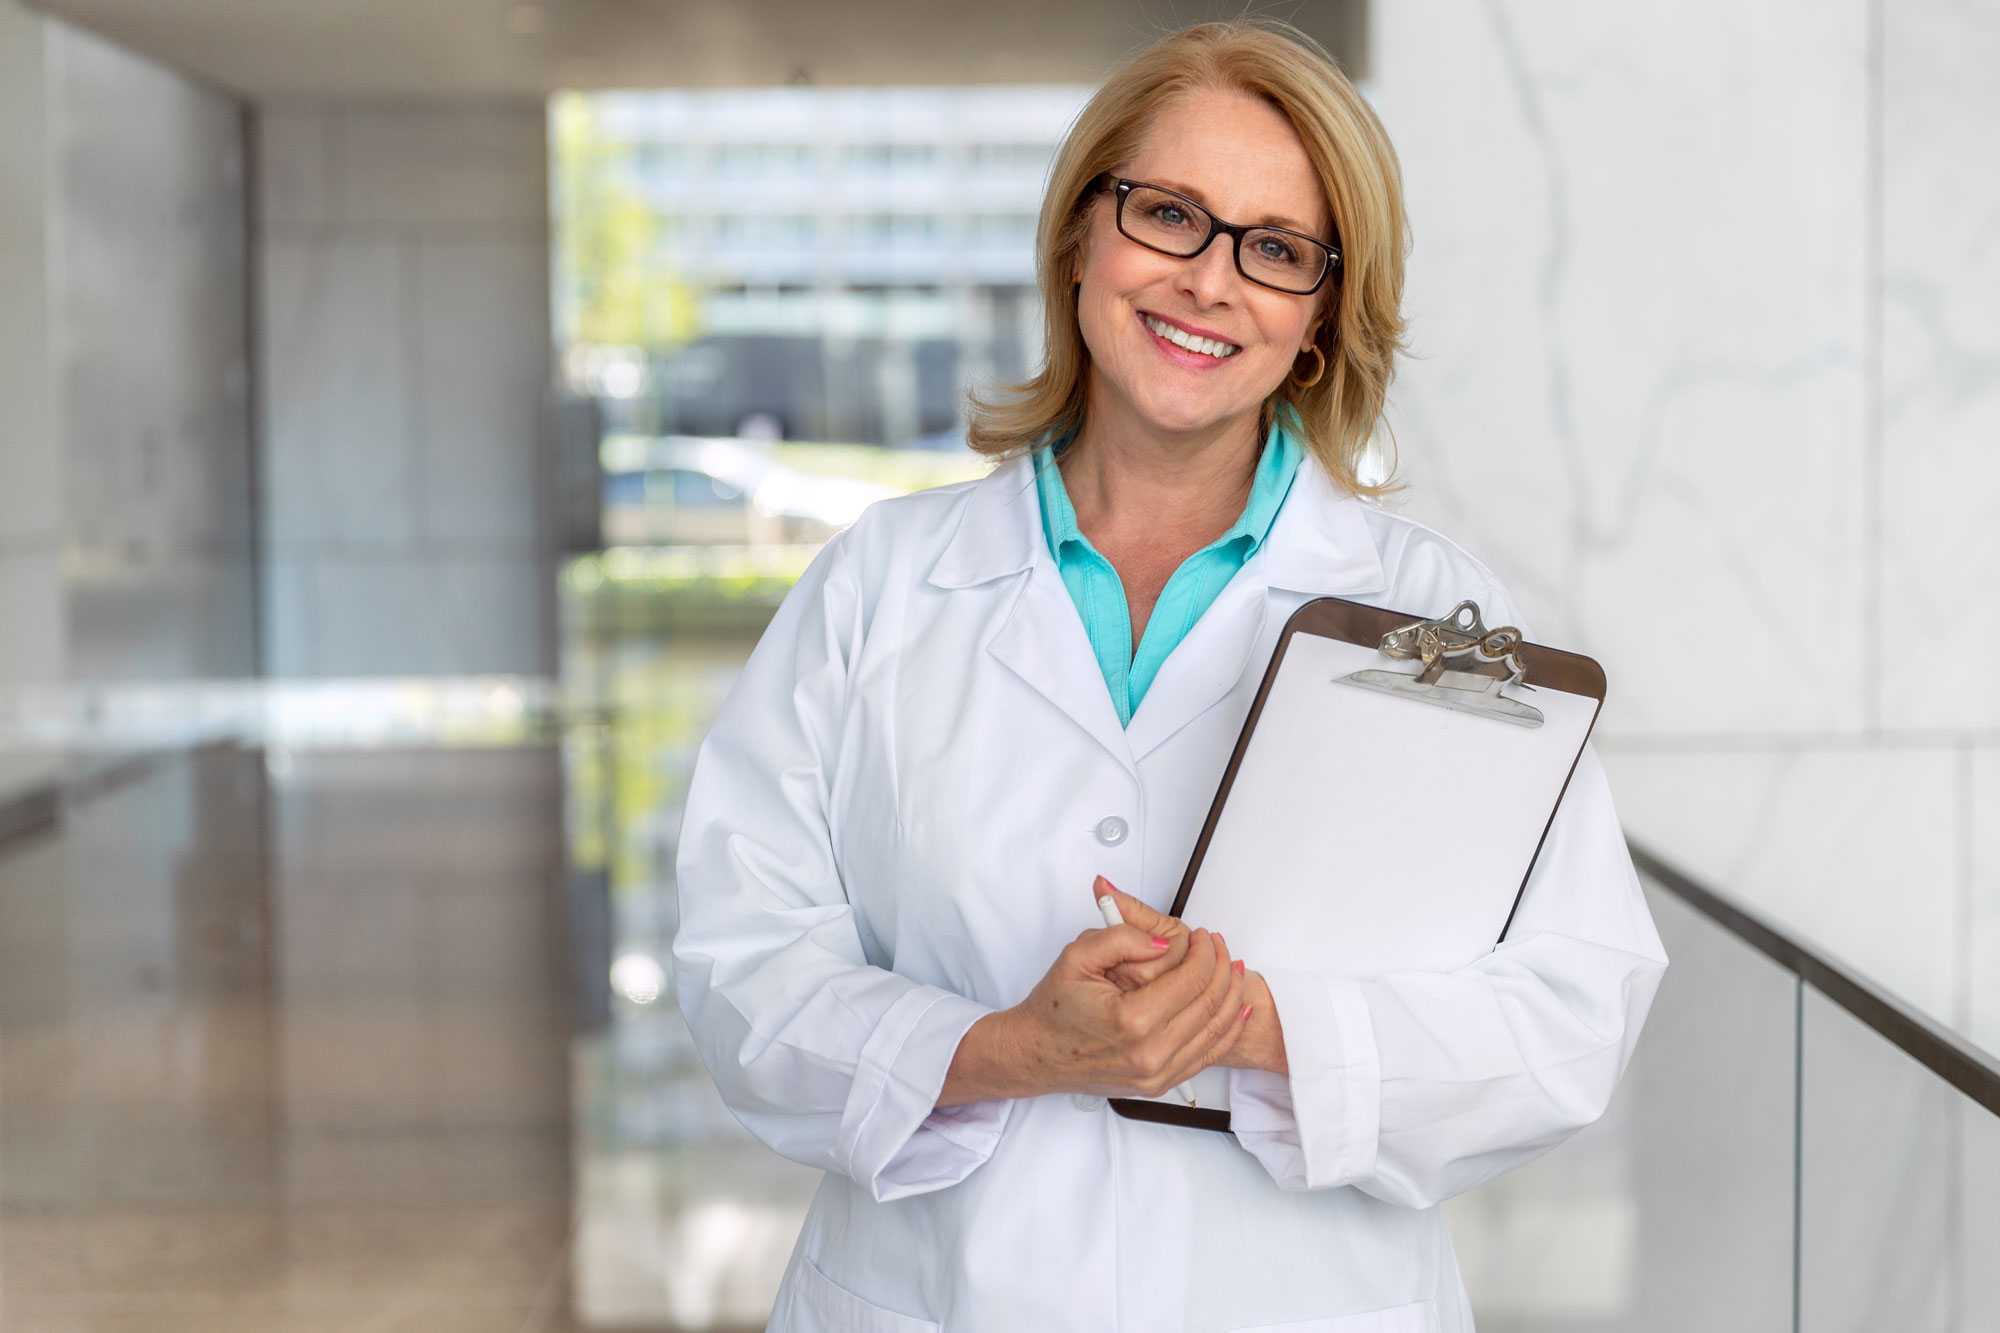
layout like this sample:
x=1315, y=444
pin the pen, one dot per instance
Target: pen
x=1113, y=917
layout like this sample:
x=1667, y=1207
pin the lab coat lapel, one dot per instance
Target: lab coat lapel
x=1041, y=639
x=1318, y=546
x=1204, y=665
x=1044, y=643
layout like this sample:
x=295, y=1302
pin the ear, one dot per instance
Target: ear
x=1312, y=336
x=1076, y=257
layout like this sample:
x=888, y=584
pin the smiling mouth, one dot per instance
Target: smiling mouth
x=1182, y=338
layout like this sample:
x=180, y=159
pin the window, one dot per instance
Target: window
x=792, y=230
x=883, y=158
x=876, y=231
x=657, y=162
x=1000, y=231
x=1010, y=157
x=870, y=231
x=755, y=161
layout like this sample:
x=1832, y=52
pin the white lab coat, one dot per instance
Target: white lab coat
x=892, y=830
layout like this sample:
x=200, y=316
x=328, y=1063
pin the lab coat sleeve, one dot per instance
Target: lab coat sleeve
x=1417, y=1086
x=830, y=1060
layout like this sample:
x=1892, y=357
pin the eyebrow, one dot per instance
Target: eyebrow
x=1268, y=220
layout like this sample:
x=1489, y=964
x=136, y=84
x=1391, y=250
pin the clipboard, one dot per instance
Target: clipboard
x=1408, y=767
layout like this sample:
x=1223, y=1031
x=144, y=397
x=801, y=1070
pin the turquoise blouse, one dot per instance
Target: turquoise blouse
x=1100, y=598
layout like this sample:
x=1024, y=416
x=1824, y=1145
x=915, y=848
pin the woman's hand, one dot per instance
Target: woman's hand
x=1078, y=1031
x=1262, y=1044
x=1131, y=976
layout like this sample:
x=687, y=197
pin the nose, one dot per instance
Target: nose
x=1210, y=277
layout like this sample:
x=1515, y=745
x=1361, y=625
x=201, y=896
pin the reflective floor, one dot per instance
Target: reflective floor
x=293, y=1039
x=289, y=1054
x=684, y=1221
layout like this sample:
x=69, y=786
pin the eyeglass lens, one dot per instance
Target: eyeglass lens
x=1172, y=225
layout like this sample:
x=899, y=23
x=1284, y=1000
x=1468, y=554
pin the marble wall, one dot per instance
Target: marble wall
x=125, y=454
x=1705, y=363
x=403, y=284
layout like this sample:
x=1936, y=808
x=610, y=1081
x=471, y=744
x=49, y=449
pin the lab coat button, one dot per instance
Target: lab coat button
x=1111, y=830
x=1085, y=1102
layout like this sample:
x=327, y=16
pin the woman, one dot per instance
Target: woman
x=985, y=704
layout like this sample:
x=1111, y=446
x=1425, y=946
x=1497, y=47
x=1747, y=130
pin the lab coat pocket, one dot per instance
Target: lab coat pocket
x=1416, y=1318
x=815, y=1303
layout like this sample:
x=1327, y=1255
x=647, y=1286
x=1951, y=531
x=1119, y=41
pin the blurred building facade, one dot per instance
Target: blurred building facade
x=842, y=264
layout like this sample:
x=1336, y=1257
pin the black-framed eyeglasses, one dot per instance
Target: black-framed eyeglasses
x=1173, y=224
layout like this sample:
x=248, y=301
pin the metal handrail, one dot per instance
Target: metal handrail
x=1957, y=1061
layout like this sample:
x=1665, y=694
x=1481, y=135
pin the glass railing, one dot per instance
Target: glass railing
x=1792, y=1148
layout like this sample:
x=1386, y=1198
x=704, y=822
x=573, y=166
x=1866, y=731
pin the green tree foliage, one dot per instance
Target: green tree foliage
x=617, y=282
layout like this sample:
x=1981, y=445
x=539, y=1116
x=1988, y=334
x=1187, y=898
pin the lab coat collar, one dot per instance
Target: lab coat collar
x=999, y=529
x=1042, y=640
x=1319, y=545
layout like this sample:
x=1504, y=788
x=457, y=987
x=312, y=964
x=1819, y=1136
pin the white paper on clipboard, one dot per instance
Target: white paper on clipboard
x=1362, y=832
x=1365, y=833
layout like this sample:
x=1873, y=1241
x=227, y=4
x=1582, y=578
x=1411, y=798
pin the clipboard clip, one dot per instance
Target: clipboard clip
x=1464, y=666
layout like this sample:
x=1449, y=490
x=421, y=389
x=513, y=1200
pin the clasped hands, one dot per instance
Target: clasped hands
x=1124, y=1011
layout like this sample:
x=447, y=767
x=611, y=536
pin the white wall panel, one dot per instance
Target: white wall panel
x=124, y=440
x=31, y=615
x=371, y=615
x=1940, y=462
x=295, y=184
x=1706, y=364
x=407, y=339
x=482, y=345
x=1981, y=842
x=1636, y=325
x=1854, y=848
x=338, y=470
x=480, y=166
x=30, y=470
x=150, y=337
x=31, y=623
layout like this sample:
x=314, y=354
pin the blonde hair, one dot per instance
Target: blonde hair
x=1362, y=328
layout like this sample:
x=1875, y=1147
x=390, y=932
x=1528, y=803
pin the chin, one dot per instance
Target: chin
x=1182, y=423
x=1175, y=414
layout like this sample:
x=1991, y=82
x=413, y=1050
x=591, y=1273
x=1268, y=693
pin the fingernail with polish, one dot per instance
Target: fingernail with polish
x=1244, y=1013
x=1158, y=943
x=1238, y=965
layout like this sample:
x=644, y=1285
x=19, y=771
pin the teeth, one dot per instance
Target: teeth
x=1181, y=338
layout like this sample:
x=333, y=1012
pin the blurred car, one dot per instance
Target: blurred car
x=683, y=490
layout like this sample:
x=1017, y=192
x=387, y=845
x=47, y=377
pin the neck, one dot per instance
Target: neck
x=1122, y=477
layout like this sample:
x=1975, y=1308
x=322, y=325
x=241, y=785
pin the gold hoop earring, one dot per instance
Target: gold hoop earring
x=1307, y=384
